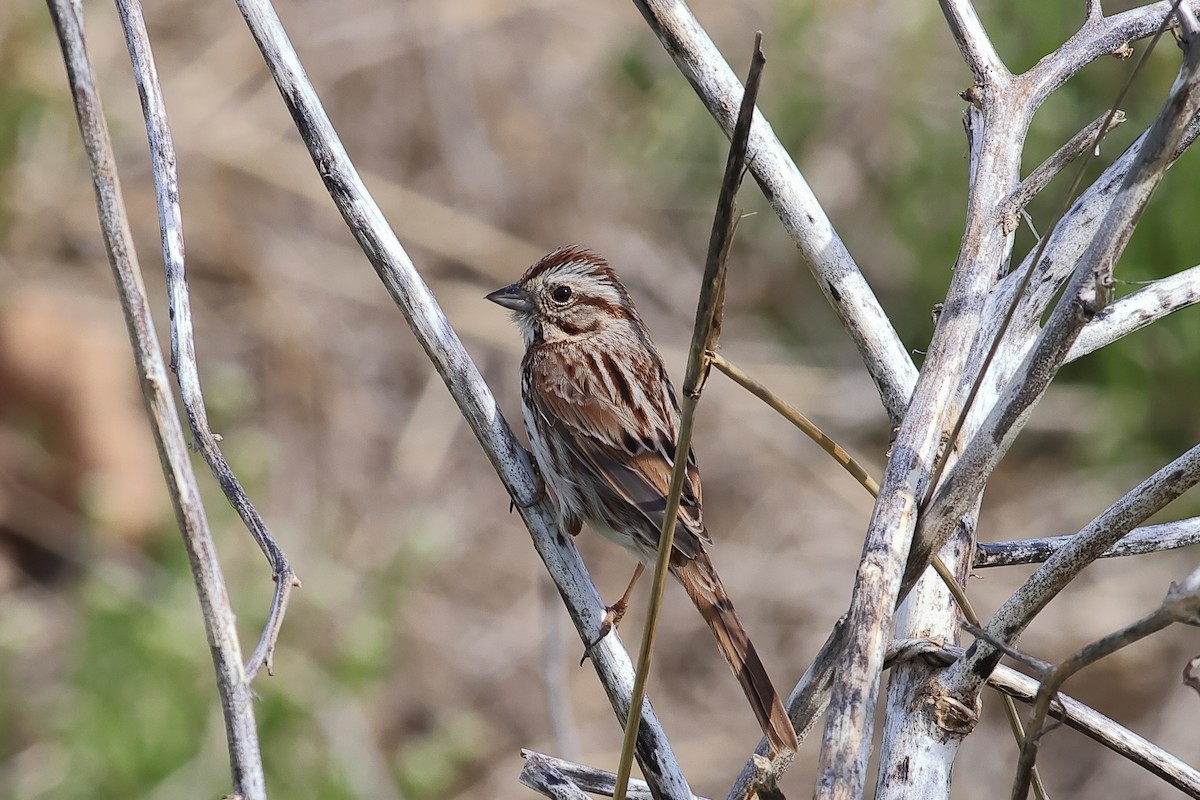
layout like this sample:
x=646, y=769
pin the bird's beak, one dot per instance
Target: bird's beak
x=515, y=297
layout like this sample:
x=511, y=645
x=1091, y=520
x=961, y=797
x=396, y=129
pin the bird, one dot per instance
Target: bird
x=603, y=418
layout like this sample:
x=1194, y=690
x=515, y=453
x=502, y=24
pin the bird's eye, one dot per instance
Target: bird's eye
x=561, y=294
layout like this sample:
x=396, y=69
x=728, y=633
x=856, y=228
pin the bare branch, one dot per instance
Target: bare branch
x=974, y=44
x=1067, y=242
x=915, y=757
x=1060, y=569
x=1084, y=296
x=1097, y=38
x=1182, y=604
x=466, y=385
x=1075, y=715
x=1087, y=139
x=885, y=356
x=590, y=779
x=1138, y=309
x=1094, y=11
x=183, y=348
x=544, y=778
x=1139, y=541
x=1039, y=278
x=219, y=622
x=996, y=133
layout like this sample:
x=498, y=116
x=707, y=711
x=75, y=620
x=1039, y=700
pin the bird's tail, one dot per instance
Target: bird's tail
x=701, y=583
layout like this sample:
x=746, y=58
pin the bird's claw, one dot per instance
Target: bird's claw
x=612, y=620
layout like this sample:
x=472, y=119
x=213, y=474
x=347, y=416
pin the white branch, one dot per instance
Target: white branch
x=547, y=780
x=886, y=359
x=1101, y=729
x=974, y=44
x=1182, y=604
x=589, y=779
x=1085, y=295
x=1074, y=715
x=1139, y=541
x=998, y=133
x=183, y=349
x=1150, y=496
x=1137, y=310
x=220, y=624
x=1097, y=38
x=1040, y=178
x=466, y=385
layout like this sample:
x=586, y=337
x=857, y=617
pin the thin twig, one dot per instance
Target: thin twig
x=452, y=362
x=1182, y=604
x=1138, y=309
x=1008, y=622
x=219, y=622
x=1139, y=541
x=835, y=450
x=183, y=348
x=1086, y=140
x=704, y=344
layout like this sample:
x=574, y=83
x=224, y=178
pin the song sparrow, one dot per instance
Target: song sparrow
x=602, y=420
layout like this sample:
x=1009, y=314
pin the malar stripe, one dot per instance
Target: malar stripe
x=571, y=329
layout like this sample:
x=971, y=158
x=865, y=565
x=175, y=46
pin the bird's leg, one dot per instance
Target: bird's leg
x=614, y=613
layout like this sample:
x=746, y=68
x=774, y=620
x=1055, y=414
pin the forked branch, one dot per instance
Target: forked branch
x=219, y=622
x=183, y=348
x=1182, y=604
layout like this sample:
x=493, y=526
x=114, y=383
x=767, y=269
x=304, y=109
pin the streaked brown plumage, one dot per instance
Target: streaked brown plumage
x=602, y=419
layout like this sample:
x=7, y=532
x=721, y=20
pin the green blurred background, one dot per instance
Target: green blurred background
x=416, y=658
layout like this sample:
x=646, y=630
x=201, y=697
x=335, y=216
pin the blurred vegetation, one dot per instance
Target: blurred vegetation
x=103, y=689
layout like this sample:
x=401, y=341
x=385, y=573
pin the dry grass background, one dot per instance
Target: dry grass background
x=413, y=662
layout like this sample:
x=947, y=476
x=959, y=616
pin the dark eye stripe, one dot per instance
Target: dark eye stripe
x=602, y=304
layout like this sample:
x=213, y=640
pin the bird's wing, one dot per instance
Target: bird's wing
x=624, y=430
